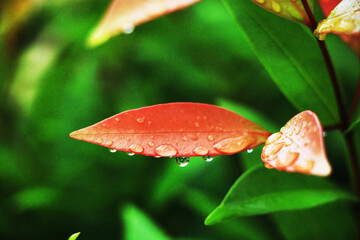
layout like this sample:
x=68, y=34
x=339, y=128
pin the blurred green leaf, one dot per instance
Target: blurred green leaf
x=248, y=113
x=74, y=236
x=331, y=221
x=354, y=124
x=261, y=191
x=140, y=226
x=36, y=197
x=291, y=56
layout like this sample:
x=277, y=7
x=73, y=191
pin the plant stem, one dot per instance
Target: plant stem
x=355, y=100
x=344, y=120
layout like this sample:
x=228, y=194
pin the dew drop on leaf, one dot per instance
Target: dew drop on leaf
x=250, y=150
x=112, y=150
x=182, y=161
x=208, y=158
x=201, y=151
x=166, y=151
x=130, y=154
x=128, y=28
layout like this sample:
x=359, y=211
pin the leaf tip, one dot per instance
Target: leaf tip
x=74, y=236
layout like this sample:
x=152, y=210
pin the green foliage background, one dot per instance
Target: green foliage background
x=51, y=84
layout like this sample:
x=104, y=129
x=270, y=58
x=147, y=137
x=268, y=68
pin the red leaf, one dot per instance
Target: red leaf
x=176, y=129
x=328, y=5
x=298, y=147
x=124, y=15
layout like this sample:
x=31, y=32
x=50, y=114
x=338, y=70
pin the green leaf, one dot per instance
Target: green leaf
x=140, y=226
x=354, y=124
x=248, y=113
x=261, y=191
x=291, y=56
x=74, y=236
x=318, y=223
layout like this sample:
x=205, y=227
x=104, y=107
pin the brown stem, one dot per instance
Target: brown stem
x=355, y=100
x=344, y=120
x=331, y=127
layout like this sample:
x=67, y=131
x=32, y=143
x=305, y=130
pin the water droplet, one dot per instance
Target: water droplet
x=151, y=144
x=276, y=7
x=250, y=150
x=185, y=138
x=288, y=159
x=305, y=167
x=130, y=154
x=273, y=148
x=136, y=148
x=268, y=166
x=201, y=151
x=197, y=124
x=127, y=139
x=166, y=151
x=211, y=138
x=117, y=119
x=157, y=156
x=208, y=158
x=128, y=28
x=140, y=120
x=112, y=150
x=232, y=145
x=324, y=134
x=182, y=161
x=109, y=143
x=99, y=141
x=274, y=137
x=194, y=137
x=152, y=137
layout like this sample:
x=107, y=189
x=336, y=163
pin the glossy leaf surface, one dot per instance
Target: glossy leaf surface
x=290, y=59
x=123, y=15
x=298, y=147
x=290, y=9
x=274, y=192
x=176, y=129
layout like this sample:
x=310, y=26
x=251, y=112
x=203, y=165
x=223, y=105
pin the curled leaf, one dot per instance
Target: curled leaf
x=175, y=129
x=123, y=15
x=298, y=147
x=352, y=40
x=344, y=19
x=290, y=9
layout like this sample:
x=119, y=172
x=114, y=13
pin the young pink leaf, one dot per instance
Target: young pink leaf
x=352, y=40
x=176, y=129
x=123, y=15
x=298, y=147
x=344, y=19
x=290, y=9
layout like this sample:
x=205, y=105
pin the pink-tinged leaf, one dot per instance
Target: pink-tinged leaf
x=176, y=129
x=298, y=147
x=123, y=15
x=289, y=9
x=352, y=40
x=344, y=19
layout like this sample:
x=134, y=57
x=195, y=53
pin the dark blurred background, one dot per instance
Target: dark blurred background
x=52, y=84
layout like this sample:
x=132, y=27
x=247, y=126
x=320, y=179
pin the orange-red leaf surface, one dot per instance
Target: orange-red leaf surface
x=123, y=15
x=176, y=129
x=298, y=147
